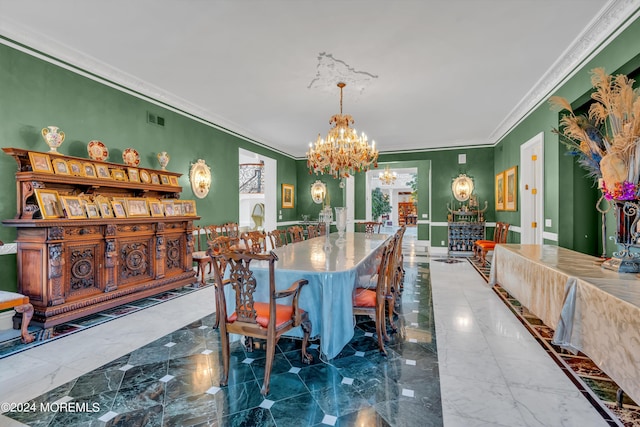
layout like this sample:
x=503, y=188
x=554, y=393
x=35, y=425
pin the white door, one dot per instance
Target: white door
x=531, y=190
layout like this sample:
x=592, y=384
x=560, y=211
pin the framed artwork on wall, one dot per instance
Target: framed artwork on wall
x=287, y=196
x=511, y=189
x=500, y=191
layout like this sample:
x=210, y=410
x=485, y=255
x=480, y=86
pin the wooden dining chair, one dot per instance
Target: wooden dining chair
x=231, y=230
x=322, y=228
x=372, y=227
x=312, y=231
x=217, y=246
x=496, y=237
x=371, y=302
x=255, y=242
x=278, y=238
x=487, y=247
x=264, y=320
x=296, y=234
x=200, y=255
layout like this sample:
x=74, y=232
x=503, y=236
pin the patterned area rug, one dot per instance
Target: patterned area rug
x=483, y=268
x=592, y=382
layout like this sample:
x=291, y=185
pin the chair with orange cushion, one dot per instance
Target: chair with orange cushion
x=217, y=246
x=371, y=302
x=496, y=237
x=253, y=319
x=489, y=246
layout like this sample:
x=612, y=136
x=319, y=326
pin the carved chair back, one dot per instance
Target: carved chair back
x=372, y=227
x=254, y=319
x=322, y=228
x=296, y=234
x=278, y=238
x=255, y=241
x=312, y=231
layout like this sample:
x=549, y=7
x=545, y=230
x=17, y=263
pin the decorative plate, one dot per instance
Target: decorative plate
x=131, y=157
x=145, y=176
x=97, y=150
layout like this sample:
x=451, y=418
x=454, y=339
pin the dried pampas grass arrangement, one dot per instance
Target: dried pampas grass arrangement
x=607, y=140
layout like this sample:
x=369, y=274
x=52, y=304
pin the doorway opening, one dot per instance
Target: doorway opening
x=257, y=198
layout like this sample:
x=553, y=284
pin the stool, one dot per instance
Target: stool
x=20, y=303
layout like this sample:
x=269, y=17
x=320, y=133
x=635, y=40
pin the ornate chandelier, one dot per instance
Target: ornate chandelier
x=387, y=177
x=343, y=153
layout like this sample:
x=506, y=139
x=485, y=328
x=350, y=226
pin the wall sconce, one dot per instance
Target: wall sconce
x=200, y=176
x=462, y=187
x=318, y=192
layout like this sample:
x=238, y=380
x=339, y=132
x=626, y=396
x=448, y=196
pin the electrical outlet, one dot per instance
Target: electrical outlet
x=280, y=217
x=442, y=242
x=425, y=216
x=547, y=222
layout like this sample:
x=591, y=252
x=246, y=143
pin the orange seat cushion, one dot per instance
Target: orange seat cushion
x=480, y=242
x=284, y=314
x=488, y=245
x=364, y=298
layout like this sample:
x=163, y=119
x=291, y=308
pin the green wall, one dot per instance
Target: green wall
x=565, y=204
x=37, y=94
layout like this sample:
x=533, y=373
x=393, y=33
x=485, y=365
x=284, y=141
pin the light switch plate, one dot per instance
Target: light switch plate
x=547, y=222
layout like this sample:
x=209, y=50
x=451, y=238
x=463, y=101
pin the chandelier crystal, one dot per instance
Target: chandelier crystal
x=343, y=152
x=387, y=177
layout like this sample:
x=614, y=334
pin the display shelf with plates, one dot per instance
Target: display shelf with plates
x=75, y=266
x=97, y=151
x=131, y=157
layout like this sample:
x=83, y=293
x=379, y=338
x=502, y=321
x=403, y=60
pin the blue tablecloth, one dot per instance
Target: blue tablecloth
x=333, y=269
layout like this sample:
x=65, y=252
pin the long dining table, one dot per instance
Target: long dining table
x=333, y=268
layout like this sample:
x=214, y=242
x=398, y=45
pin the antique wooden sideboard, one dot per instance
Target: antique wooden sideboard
x=71, y=268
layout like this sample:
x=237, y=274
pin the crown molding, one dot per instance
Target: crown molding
x=42, y=47
x=613, y=18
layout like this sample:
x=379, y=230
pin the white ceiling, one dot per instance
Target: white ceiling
x=420, y=74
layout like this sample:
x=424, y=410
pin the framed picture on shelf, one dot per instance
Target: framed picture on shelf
x=145, y=176
x=134, y=175
x=40, y=162
x=104, y=206
x=118, y=174
x=92, y=210
x=173, y=180
x=511, y=189
x=137, y=207
x=189, y=207
x=49, y=203
x=168, y=208
x=500, y=191
x=89, y=170
x=60, y=167
x=287, y=196
x=155, y=206
x=177, y=208
x=102, y=171
x=155, y=179
x=73, y=207
x=164, y=179
x=118, y=209
x=75, y=168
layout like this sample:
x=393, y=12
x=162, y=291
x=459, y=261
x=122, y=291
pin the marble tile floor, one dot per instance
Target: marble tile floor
x=159, y=366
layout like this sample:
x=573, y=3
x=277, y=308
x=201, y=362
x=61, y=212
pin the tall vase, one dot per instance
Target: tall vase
x=627, y=236
x=53, y=137
x=341, y=222
x=163, y=159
